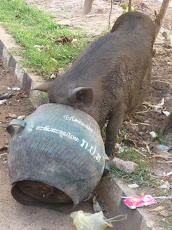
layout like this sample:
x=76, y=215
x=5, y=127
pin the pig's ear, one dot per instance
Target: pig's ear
x=81, y=95
x=44, y=87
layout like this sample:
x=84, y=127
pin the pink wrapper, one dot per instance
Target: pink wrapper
x=136, y=202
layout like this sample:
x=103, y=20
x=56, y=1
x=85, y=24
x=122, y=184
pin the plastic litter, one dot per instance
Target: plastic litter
x=166, y=113
x=163, y=186
x=2, y=101
x=16, y=89
x=96, y=205
x=133, y=185
x=159, y=106
x=136, y=202
x=168, y=174
x=153, y=134
x=96, y=221
x=164, y=147
x=5, y=96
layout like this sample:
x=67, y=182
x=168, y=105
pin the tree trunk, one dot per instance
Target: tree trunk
x=160, y=16
x=129, y=6
x=87, y=6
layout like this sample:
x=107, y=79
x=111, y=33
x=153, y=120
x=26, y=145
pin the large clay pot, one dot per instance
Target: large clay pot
x=56, y=155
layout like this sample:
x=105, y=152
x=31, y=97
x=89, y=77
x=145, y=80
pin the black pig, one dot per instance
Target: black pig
x=112, y=75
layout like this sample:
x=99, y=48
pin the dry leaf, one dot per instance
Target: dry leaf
x=164, y=213
x=157, y=209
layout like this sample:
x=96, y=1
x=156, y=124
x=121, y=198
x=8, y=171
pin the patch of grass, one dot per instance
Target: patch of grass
x=142, y=175
x=31, y=26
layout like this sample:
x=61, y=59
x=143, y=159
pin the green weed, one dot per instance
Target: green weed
x=32, y=27
x=142, y=175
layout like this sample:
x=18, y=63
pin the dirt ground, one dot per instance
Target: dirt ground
x=147, y=119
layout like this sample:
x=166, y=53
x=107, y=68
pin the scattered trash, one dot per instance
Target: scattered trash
x=22, y=117
x=3, y=154
x=136, y=202
x=168, y=174
x=164, y=186
x=163, y=197
x=5, y=96
x=164, y=147
x=39, y=47
x=140, y=152
x=88, y=221
x=133, y=185
x=153, y=134
x=122, y=149
x=117, y=146
x=166, y=113
x=143, y=149
x=16, y=89
x=2, y=101
x=158, y=106
x=126, y=166
x=96, y=205
x=96, y=221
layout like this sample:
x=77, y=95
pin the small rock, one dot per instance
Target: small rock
x=4, y=147
x=161, y=85
x=53, y=76
x=65, y=22
x=166, y=95
x=144, y=107
x=126, y=166
x=12, y=115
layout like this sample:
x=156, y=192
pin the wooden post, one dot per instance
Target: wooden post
x=160, y=16
x=87, y=6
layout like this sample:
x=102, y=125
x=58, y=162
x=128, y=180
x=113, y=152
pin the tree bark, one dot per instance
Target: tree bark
x=87, y=6
x=160, y=16
x=129, y=6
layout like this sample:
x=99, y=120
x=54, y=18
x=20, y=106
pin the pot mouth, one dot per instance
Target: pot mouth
x=30, y=192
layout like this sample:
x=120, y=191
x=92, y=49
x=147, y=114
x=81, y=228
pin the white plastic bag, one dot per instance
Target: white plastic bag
x=88, y=221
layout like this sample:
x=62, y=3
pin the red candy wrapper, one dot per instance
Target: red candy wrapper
x=136, y=202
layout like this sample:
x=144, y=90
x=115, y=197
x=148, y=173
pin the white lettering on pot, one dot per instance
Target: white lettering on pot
x=73, y=119
x=57, y=131
x=91, y=150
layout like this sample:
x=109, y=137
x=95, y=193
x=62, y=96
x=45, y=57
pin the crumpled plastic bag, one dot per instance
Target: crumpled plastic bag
x=88, y=221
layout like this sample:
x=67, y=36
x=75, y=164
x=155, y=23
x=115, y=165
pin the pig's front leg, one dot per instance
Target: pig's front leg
x=113, y=127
